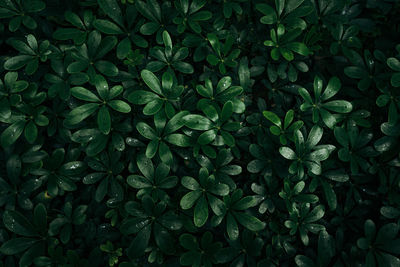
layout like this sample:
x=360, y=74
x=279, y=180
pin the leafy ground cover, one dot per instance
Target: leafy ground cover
x=199, y=133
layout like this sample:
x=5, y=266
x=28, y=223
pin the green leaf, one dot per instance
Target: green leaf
x=188, y=241
x=201, y=212
x=17, y=245
x=190, y=183
x=269, y=14
x=107, y=27
x=40, y=217
x=146, y=131
x=395, y=80
x=393, y=63
x=227, y=111
x=272, y=117
x=84, y=94
x=355, y=72
x=197, y=122
x=17, y=223
x=340, y=106
x=107, y=68
x=120, y=106
x=112, y=9
x=104, y=120
x=331, y=89
x=303, y=261
x=299, y=48
x=153, y=107
x=80, y=113
x=31, y=132
x=139, y=243
x=138, y=182
x=151, y=81
x=250, y=222
x=246, y=203
x=17, y=62
x=141, y=97
x=287, y=153
x=329, y=195
x=12, y=133
x=232, y=227
x=305, y=95
x=314, y=136
x=189, y=199
x=178, y=140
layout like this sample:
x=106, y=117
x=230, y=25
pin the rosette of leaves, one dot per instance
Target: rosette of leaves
x=95, y=141
x=164, y=94
x=354, y=146
x=198, y=43
x=345, y=39
x=170, y=57
x=26, y=119
x=328, y=13
x=191, y=15
x=204, y=252
x=31, y=235
x=61, y=81
x=307, y=153
x=10, y=93
x=257, y=122
x=159, y=17
x=107, y=168
x=288, y=13
x=285, y=131
x=381, y=246
x=320, y=107
x=89, y=56
x=326, y=251
x=60, y=171
x=134, y=58
x=153, y=181
x=216, y=125
x=222, y=55
x=367, y=70
x=286, y=70
x=123, y=25
x=20, y=12
x=394, y=64
x=267, y=192
x=30, y=53
x=204, y=193
x=284, y=45
x=222, y=93
x=236, y=206
x=263, y=162
x=296, y=194
x=221, y=167
x=389, y=142
x=114, y=254
x=82, y=26
x=165, y=133
x=304, y=220
x=149, y=220
x=15, y=190
x=64, y=223
x=230, y=6
x=243, y=251
x=391, y=100
x=327, y=180
x=101, y=103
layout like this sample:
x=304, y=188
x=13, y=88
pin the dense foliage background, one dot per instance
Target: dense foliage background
x=200, y=133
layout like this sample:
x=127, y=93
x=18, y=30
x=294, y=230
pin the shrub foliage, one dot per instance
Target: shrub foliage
x=199, y=133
